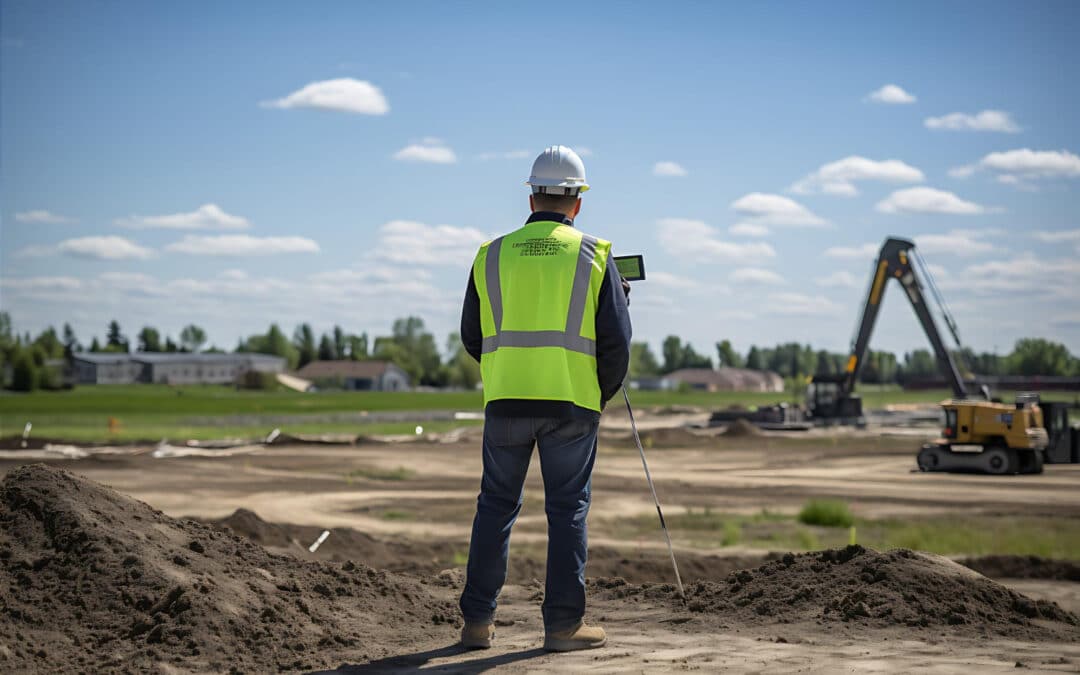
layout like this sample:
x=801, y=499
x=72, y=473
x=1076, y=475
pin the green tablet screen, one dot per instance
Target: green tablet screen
x=631, y=267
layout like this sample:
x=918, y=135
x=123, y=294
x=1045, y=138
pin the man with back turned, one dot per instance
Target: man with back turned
x=546, y=315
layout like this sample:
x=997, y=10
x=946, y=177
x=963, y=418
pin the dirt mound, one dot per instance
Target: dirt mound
x=92, y=580
x=740, y=428
x=652, y=565
x=395, y=555
x=1024, y=567
x=866, y=588
x=432, y=556
x=248, y=524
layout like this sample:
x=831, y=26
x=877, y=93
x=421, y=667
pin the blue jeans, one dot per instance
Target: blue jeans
x=567, y=452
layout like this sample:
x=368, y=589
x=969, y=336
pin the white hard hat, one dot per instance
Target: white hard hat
x=558, y=171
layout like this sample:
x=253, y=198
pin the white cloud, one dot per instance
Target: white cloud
x=1059, y=236
x=987, y=120
x=927, y=200
x=890, y=94
x=43, y=217
x=510, y=154
x=749, y=230
x=342, y=95
x=757, y=276
x=377, y=297
x=241, y=245
x=388, y=283
x=770, y=209
x=861, y=252
x=234, y=274
x=41, y=283
x=431, y=150
x=206, y=217
x=956, y=242
x=1025, y=163
x=128, y=280
x=413, y=243
x=668, y=169
x=673, y=281
x=1023, y=274
x=367, y=273
x=799, y=304
x=838, y=279
x=839, y=177
x=583, y=151
x=98, y=247
x=937, y=271
x=697, y=240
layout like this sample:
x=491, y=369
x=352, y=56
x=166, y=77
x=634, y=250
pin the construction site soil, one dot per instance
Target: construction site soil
x=865, y=589
x=93, y=580
x=431, y=556
x=1023, y=567
x=643, y=566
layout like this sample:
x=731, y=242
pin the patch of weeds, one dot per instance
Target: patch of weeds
x=771, y=516
x=460, y=559
x=827, y=513
x=704, y=519
x=808, y=541
x=732, y=533
x=392, y=514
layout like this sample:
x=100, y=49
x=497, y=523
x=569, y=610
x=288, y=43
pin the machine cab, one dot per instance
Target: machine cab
x=821, y=396
x=826, y=400
x=952, y=423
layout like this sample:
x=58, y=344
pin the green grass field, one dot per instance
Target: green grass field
x=151, y=412
x=948, y=535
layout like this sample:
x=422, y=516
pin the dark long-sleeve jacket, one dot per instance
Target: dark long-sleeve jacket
x=613, y=334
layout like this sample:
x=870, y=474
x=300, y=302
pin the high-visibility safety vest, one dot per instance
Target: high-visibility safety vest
x=539, y=287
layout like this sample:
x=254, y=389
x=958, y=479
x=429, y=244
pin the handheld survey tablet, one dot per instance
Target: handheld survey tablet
x=631, y=267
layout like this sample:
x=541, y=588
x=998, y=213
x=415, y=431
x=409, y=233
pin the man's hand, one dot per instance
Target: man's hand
x=625, y=289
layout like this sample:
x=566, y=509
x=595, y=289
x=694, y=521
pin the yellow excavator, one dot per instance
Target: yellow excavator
x=980, y=435
x=989, y=437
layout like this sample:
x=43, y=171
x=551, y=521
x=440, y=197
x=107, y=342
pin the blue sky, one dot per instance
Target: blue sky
x=165, y=164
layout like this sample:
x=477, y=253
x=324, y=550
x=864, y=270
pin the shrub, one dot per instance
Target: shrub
x=24, y=372
x=260, y=381
x=732, y=533
x=827, y=512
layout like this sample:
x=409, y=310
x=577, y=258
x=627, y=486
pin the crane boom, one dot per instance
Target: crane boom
x=895, y=262
x=833, y=396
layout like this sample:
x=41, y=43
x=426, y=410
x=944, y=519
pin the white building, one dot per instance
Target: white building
x=104, y=368
x=169, y=368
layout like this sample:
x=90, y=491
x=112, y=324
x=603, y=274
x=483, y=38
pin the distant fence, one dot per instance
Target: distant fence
x=1002, y=382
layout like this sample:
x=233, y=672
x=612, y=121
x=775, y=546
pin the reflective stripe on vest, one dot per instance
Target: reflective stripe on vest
x=569, y=338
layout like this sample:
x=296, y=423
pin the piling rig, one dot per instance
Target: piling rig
x=980, y=435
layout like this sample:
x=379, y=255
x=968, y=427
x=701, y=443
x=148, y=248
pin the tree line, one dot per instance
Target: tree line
x=1029, y=357
x=24, y=360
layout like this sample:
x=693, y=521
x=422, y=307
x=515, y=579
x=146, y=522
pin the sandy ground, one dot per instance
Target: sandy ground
x=645, y=639
x=325, y=486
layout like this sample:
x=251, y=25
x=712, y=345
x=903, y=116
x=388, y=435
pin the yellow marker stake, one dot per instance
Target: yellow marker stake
x=851, y=536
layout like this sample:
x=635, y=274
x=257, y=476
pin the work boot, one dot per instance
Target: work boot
x=477, y=635
x=580, y=637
